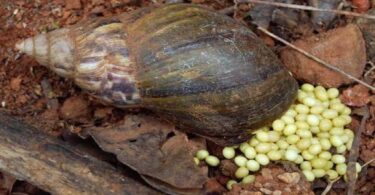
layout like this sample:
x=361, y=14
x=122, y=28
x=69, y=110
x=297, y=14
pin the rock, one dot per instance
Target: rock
x=265, y=191
x=289, y=178
x=74, y=107
x=342, y=47
x=277, y=192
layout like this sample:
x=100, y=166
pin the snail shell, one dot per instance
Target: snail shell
x=202, y=70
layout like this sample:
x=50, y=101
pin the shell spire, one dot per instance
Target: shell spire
x=53, y=49
x=94, y=54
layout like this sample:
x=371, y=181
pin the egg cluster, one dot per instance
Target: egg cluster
x=311, y=134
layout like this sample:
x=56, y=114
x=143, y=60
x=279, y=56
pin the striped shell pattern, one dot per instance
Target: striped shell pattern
x=202, y=70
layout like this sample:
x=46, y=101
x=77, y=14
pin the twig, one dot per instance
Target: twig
x=304, y=7
x=368, y=162
x=354, y=153
x=326, y=64
x=329, y=186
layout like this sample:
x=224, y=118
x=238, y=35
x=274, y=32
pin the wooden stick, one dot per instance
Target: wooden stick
x=304, y=7
x=55, y=166
x=354, y=153
x=329, y=186
x=322, y=62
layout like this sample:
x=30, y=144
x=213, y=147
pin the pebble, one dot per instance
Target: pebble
x=15, y=83
x=289, y=178
x=74, y=107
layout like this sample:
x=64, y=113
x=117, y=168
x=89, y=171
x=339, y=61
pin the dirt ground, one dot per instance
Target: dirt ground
x=46, y=100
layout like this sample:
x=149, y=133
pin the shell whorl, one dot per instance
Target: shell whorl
x=104, y=66
x=200, y=69
x=94, y=54
x=44, y=48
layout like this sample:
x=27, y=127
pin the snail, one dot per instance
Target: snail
x=203, y=71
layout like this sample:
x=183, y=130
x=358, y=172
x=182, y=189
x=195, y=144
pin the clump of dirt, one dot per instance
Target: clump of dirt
x=277, y=181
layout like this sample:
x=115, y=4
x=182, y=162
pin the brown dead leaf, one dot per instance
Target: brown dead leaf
x=197, y=143
x=154, y=150
x=370, y=127
x=356, y=96
x=372, y=111
x=367, y=152
x=214, y=187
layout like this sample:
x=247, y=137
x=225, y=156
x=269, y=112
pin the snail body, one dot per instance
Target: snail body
x=200, y=69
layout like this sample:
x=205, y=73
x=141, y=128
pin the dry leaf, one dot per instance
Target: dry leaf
x=154, y=150
x=356, y=96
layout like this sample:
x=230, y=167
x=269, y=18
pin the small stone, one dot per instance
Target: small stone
x=277, y=192
x=267, y=173
x=15, y=83
x=101, y=113
x=265, y=191
x=341, y=47
x=245, y=192
x=74, y=107
x=290, y=178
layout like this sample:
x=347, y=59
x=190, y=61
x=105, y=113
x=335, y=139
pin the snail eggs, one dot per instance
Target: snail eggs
x=311, y=133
